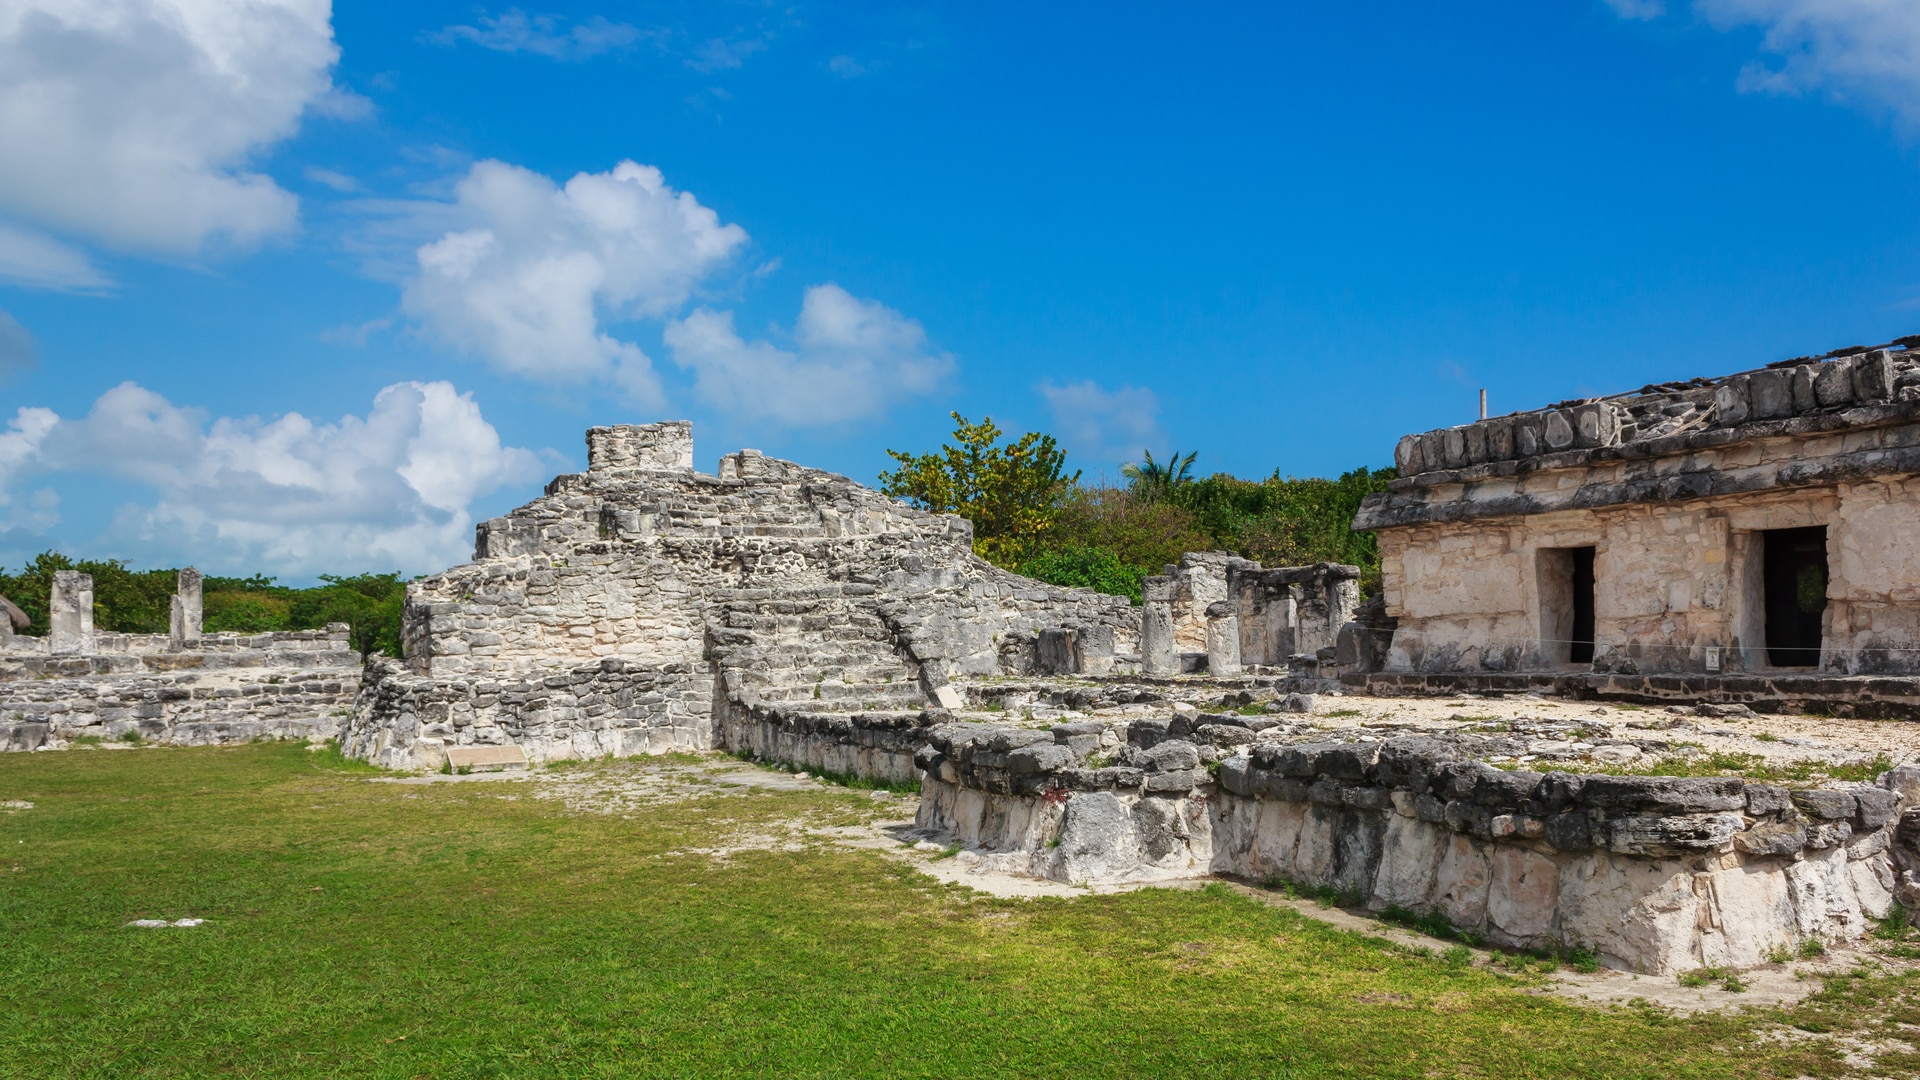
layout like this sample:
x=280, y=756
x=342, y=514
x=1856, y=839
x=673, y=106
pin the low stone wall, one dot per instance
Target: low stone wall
x=186, y=709
x=1865, y=697
x=871, y=746
x=612, y=708
x=1655, y=874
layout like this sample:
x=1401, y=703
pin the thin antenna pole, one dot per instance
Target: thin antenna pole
x=1483, y=403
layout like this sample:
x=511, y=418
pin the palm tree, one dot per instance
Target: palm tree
x=1157, y=478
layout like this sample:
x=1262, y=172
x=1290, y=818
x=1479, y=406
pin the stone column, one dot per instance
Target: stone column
x=1223, y=640
x=1156, y=627
x=71, y=608
x=183, y=629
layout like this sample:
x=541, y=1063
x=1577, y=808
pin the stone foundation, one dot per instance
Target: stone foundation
x=1653, y=874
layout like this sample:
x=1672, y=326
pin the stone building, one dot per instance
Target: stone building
x=1762, y=524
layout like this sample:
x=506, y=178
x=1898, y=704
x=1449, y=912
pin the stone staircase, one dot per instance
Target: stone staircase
x=821, y=647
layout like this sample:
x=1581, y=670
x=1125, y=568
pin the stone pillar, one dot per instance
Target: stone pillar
x=1156, y=627
x=71, y=608
x=1223, y=640
x=183, y=629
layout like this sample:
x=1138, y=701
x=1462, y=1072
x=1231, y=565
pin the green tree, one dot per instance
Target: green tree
x=1158, y=479
x=1011, y=493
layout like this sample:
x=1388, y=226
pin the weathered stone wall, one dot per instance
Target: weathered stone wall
x=613, y=708
x=1270, y=615
x=1656, y=874
x=1672, y=487
x=223, y=688
x=870, y=746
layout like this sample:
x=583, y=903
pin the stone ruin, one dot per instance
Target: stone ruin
x=184, y=687
x=793, y=616
x=1751, y=538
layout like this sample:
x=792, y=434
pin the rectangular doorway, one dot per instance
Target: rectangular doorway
x=1794, y=574
x=1566, y=604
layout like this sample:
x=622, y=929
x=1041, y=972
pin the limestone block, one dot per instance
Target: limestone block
x=1522, y=893
x=1833, y=385
x=1596, y=423
x=1824, y=905
x=185, y=620
x=70, y=610
x=1462, y=880
x=1872, y=881
x=1872, y=376
x=1804, y=399
x=1731, y=403
x=1097, y=840
x=1500, y=439
x=1529, y=436
x=1750, y=914
x=1771, y=394
x=1409, y=863
x=1476, y=439
x=1057, y=652
x=1640, y=914
x=1558, y=432
x=1157, y=656
x=1406, y=456
x=1223, y=640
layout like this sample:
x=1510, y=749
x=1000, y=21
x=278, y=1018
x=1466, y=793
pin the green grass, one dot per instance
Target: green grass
x=366, y=929
x=1755, y=767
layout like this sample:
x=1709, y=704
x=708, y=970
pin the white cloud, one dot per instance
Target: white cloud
x=514, y=31
x=134, y=122
x=18, y=350
x=338, y=181
x=390, y=490
x=850, y=359
x=1857, y=50
x=528, y=284
x=31, y=258
x=724, y=54
x=1104, y=427
x=1864, y=52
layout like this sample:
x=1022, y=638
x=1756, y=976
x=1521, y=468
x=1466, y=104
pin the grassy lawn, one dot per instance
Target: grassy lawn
x=357, y=928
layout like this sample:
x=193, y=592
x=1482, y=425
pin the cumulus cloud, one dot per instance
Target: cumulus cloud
x=1104, y=426
x=527, y=284
x=1865, y=52
x=133, y=122
x=849, y=358
x=514, y=31
x=392, y=489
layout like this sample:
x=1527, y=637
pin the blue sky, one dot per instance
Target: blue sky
x=296, y=288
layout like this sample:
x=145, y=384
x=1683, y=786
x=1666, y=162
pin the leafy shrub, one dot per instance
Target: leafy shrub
x=1093, y=568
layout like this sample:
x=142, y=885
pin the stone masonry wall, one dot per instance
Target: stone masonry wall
x=613, y=708
x=1656, y=874
x=1672, y=486
x=225, y=688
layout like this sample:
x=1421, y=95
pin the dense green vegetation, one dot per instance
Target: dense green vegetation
x=370, y=929
x=1031, y=515
x=140, y=601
